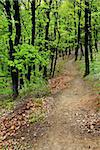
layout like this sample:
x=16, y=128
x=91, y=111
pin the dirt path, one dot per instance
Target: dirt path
x=66, y=119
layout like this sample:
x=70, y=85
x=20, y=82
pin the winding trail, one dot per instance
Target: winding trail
x=64, y=132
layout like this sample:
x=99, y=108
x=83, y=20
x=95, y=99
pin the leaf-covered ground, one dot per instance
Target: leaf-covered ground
x=25, y=117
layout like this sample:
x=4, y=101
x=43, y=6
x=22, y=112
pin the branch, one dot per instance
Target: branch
x=37, y=6
x=24, y=5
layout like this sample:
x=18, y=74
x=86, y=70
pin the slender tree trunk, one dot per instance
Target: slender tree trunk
x=21, y=73
x=87, y=71
x=17, y=22
x=69, y=51
x=75, y=26
x=29, y=73
x=96, y=37
x=46, y=39
x=40, y=35
x=90, y=33
x=82, y=52
x=29, y=68
x=52, y=61
x=33, y=26
x=56, y=55
x=79, y=32
x=55, y=63
x=53, y=51
x=21, y=80
x=47, y=33
x=33, y=21
x=33, y=37
x=55, y=37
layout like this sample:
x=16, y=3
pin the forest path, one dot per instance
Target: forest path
x=68, y=113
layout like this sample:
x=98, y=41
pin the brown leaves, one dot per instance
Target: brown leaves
x=89, y=122
x=59, y=83
x=11, y=123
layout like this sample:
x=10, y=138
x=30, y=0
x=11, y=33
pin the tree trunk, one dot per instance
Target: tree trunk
x=87, y=71
x=17, y=36
x=82, y=52
x=33, y=21
x=52, y=61
x=55, y=63
x=90, y=33
x=79, y=32
x=47, y=33
x=75, y=26
x=33, y=37
x=96, y=38
x=14, y=71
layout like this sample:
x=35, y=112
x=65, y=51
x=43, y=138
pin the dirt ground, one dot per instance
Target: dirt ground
x=73, y=124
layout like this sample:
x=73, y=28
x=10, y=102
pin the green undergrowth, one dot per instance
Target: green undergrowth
x=93, y=79
x=5, y=86
x=36, y=89
x=39, y=88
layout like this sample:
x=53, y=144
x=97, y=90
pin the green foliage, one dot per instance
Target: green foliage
x=95, y=66
x=38, y=88
x=5, y=86
x=94, y=76
x=28, y=55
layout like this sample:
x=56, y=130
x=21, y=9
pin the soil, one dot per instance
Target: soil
x=72, y=121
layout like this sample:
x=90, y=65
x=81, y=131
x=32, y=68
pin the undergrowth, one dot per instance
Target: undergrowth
x=94, y=77
x=38, y=88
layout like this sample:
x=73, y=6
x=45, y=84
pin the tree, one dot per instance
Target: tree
x=47, y=31
x=14, y=71
x=79, y=31
x=90, y=31
x=87, y=71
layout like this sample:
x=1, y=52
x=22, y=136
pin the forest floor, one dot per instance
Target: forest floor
x=72, y=119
